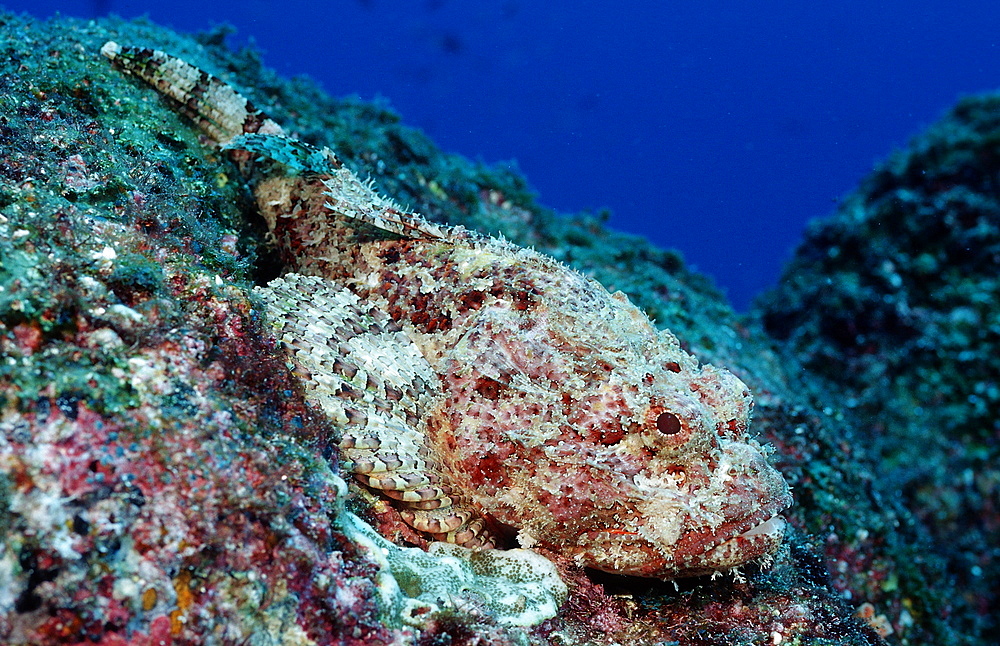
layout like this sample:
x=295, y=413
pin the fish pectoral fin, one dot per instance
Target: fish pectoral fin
x=456, y=524
x=353, y=359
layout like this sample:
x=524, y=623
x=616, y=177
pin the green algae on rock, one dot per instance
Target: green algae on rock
x=894, y=303
x=516, y=587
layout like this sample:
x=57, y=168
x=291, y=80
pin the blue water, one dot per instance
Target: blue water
x=714, y=127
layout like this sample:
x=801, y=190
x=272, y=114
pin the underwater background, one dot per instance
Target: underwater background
x=163, y=479
x=716, y=128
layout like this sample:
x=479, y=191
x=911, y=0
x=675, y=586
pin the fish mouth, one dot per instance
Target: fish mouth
x=765, y=522
x=734, y=543
x=697, y=552
x=773, y=525
x=763, y=538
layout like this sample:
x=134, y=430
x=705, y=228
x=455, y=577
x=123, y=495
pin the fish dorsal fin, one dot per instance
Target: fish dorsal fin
x=349, y=197
x=346, y=195
x=296, y=157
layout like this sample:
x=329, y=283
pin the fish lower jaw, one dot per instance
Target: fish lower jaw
x=762, y=539
x=771, y=526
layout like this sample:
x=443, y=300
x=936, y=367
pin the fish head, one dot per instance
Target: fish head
x=611, y=445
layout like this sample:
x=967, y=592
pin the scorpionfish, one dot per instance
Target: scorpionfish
x=493, y=396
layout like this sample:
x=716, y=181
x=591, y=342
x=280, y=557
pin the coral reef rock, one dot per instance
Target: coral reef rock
x=894, y=304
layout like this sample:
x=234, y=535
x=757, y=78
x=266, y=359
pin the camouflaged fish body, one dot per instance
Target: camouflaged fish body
x=491, y=393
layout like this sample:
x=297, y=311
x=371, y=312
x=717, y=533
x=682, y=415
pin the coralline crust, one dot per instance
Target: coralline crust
x=493, y=395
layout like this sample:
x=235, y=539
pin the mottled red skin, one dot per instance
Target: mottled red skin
x=563, y=416
x=424, y=287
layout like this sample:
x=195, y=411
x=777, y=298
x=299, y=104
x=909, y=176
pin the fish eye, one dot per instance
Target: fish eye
x=668, y=423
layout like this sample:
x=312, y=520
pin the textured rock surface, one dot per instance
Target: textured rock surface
x=895, y=304
x=160, y=475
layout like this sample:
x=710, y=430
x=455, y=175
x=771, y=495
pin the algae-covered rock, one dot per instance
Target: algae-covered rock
x=162, y=479
x=515, y=587
x=894, y=304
